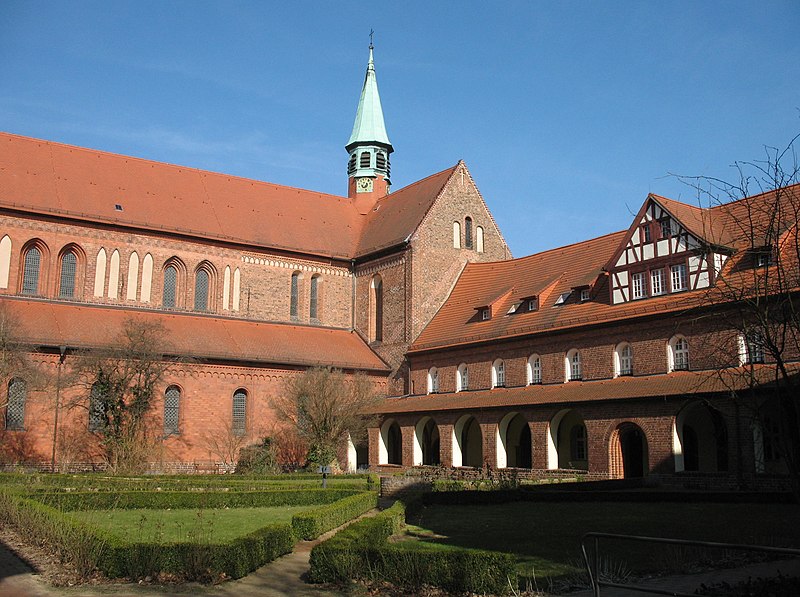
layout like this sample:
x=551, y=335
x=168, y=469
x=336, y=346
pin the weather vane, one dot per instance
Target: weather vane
x=371, y=33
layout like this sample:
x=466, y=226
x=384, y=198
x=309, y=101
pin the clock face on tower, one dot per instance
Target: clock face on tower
x=364, y=185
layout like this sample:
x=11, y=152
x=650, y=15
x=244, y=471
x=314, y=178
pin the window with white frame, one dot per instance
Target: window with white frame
x=433, y=380
x=678, y=354
x=624, y=359
x=498, y=374
x=534, y=369
x=573, y=365
x=751, y=348
x=456, y=235
x=462, y=378
x=584, y=295
x=532, y=304
x=638, y=285
x=486, y=314
x=657, y=281
x=678, y=274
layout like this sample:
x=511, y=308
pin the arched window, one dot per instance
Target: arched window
x=534, y=369
x=498, y=374
x=313, y=303
x=433, y=380
x=100, y=273
x=380, y=160
x=468, y=232
x=751, y=348
x=69, y=268
x=172, y=399
x=97, y=409
x=133, y=277
x=147, y=278
x=479, y=239
x=294, y=296
x=351, y=165
x=170, y=287
x=376, y=309
x=5, y=260
x=364, y=160
x=623, y=360
x=30, y=272
x=201, y=290
x=237, y=280
x=573, y=365
x=15, y=409
x=456, y=235
x=678, y=354
x=462, y=378
x=239, y=420
x=113, y=275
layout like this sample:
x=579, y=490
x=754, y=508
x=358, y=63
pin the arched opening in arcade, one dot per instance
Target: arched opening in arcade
x=700, y=439
x=628, y=458
x=467, y=442
x=426, y=442
x=390, y=444
x=568, y=441
x=514, y=445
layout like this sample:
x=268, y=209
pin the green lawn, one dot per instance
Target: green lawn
x=546, y=536
x=211, y=526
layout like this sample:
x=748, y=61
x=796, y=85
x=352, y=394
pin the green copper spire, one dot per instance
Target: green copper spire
x=369, y=128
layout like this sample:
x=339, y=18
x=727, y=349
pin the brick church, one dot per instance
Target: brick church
x=586, y=359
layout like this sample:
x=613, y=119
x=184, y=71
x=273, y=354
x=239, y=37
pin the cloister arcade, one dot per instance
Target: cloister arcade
x=675, y=437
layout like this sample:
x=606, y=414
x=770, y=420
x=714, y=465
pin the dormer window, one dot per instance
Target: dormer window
x=532, y=304
x=562, y=298
x=486, y=314
x=584, y=295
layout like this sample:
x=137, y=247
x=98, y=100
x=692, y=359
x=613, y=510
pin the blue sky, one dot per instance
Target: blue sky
x=566, y=113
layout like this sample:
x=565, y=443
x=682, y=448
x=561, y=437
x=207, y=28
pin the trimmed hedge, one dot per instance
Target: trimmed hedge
x=178, y=500
x=310, y=525
x=362, y=551
x=197, y=561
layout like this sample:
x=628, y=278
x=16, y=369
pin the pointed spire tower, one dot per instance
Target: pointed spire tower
x=369, y=146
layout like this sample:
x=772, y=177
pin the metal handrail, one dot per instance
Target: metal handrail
x=594, y=576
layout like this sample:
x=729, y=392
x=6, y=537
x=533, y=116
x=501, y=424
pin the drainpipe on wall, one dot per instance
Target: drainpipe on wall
x=352, y=295
x=62, y=356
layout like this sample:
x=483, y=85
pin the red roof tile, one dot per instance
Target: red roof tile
x=205, y=337
x=52, y=178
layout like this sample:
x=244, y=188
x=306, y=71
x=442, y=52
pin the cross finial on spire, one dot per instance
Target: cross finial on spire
x=371, y=33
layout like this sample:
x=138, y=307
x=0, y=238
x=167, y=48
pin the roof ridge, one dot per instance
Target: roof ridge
x=417, y=182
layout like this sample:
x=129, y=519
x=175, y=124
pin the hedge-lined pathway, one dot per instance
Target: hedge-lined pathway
x=282, y=577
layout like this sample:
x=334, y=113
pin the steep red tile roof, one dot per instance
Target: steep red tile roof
x=49, y=323
x=621, y=388
x=504, y=283
x=396, y=216
x=51, y=178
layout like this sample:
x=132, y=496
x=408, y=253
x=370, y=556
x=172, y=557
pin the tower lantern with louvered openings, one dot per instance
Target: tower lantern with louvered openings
x=369, y=147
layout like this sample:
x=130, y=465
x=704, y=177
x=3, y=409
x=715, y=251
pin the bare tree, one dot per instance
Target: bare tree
x=14, y=361
x=324, y=405
x=224, y=440
x=120, y=382
x=756, y=299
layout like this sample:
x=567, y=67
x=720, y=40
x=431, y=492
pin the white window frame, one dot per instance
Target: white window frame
x=498, y=374
x=462, y=378
x=534, y=370
x=657, y=286
x=678, y=274
x=623, y=359
x=751, y=349
x=638, y=286
x=433, y=380
x=572, y=366
x=678, y=356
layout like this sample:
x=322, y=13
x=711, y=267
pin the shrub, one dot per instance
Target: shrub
x=258, y=459
x=310, y=525
x=191, y=499
x=362, y=551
